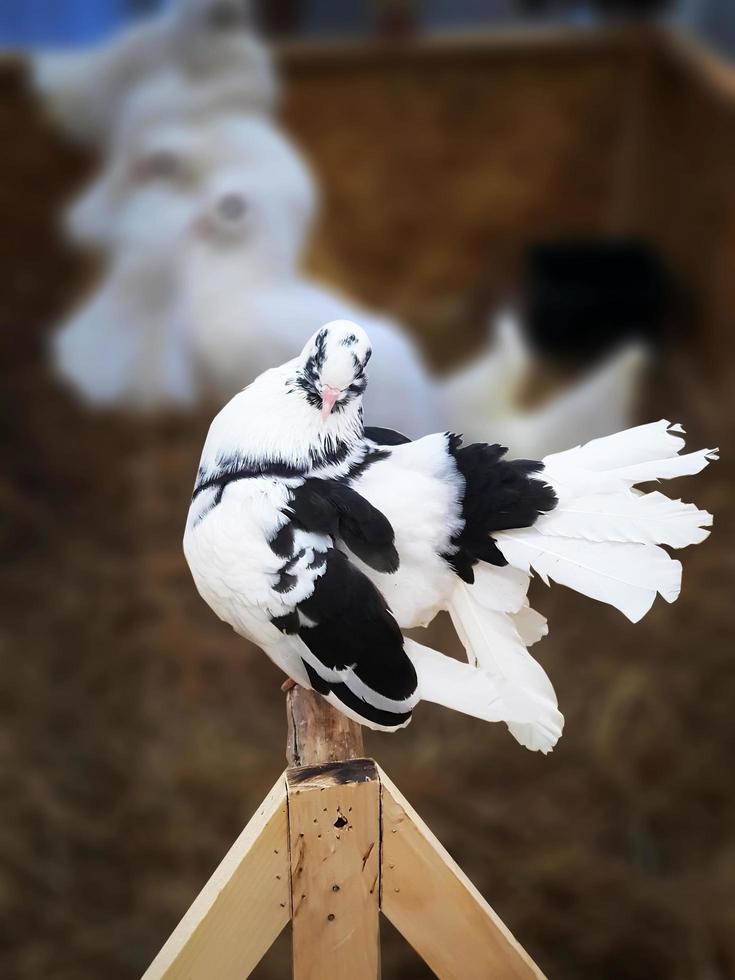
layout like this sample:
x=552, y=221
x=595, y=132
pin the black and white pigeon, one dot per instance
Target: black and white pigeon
x=321, y=540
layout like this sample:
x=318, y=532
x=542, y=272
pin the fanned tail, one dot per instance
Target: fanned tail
x=604, y=537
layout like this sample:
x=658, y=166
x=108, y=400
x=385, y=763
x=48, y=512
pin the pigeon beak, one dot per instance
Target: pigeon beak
x=329, y=398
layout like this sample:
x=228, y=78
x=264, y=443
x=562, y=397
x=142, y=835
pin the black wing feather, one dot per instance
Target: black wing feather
x=499, y=494
x=333, y=508
x=353, y=627
x=385, y=437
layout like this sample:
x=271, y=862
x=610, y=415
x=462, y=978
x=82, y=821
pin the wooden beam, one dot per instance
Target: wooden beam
x=334, y=828
x=554, y=43
x=435, y=906
x=317, y=732
x=241, y=910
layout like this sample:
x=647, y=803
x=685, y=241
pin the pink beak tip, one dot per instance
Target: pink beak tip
x=329, y=399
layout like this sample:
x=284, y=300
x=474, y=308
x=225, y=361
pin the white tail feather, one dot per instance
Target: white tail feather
x=603, y=538
x=650, y=518
x=491, y=697
x=627, y=576
x=494, y=645
x=617, y=462
x=502, y=589
x=641, y=444
x=530, y=625
x=570, y=483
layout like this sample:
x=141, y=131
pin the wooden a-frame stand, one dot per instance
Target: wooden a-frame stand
x=333, y=844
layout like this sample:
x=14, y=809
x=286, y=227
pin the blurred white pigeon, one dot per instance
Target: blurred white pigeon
x=156, y=171
x=487, y=393
x=126, y=346
x=123, y=346
x=245, y=301
x=321, y=540
x=203, y=40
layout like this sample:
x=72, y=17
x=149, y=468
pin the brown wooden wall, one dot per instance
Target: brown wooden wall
x=441, y=159
x=684, y=193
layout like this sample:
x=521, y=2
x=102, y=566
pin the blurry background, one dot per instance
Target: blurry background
x=447, y=139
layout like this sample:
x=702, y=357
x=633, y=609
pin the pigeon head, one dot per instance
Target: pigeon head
x=143, y=197
x=259, y=220
x=332, y=367
x=227, y=218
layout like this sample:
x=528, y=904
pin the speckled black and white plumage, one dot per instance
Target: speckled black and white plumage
x=321, y=541
x=310, y=511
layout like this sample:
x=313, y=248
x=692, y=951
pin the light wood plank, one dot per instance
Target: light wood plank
x=435, y=906
x=242, y=908
x=334, y=827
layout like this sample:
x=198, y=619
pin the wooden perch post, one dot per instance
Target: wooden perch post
x=334, y=838
x=333, y=844
x=317, y=733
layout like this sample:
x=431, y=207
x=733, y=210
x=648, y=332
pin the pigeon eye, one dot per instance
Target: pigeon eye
x=232, y=207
